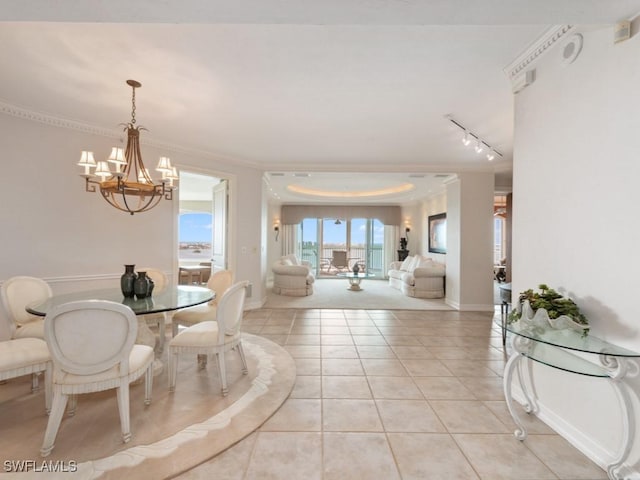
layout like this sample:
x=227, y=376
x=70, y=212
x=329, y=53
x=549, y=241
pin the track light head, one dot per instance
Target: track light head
x=479, y=144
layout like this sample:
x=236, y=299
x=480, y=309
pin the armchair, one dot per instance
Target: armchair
x=292, y=277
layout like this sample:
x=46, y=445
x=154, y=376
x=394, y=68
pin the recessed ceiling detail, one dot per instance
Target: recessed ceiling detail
x=402, y=188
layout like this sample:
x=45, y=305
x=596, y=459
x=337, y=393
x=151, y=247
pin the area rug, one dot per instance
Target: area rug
x=375, y=294
x=176, y=432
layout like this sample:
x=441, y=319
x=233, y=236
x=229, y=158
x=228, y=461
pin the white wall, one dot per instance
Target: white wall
x=470, y=242
x=411, y=218
x=52, y=228
x=576, y=204
x=274, y=247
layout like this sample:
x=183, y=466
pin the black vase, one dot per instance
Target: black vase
x=356, y=268
x=141, y=285
x=127, y=280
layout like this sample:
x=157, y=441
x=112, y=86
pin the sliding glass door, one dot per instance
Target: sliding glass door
x=309, y=234
x=375, y=248
x=333, y=245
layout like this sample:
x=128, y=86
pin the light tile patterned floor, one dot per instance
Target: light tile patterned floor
x=393, y=395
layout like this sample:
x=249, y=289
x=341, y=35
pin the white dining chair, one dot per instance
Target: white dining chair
x=218, y=282
x=92, y=349
x=24, y=356
x=16, y=294
x=213, y=337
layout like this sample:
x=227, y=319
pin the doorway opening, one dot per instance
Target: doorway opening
x=202, y=226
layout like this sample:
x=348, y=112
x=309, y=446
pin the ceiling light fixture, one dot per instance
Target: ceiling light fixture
x=129, y=187
x=479, y=144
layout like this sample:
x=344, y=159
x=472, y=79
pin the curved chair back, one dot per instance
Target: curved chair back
x=160, y=280
x=339, y=259
x=219, y=282
x=89, y=337
x=18, y=292
x=230, y=310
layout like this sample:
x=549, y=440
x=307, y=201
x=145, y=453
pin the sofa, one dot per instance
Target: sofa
x=418, y=276
x=292, y=277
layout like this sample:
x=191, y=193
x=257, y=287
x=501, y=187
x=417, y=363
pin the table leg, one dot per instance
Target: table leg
x=520, y=347
x=147, y=337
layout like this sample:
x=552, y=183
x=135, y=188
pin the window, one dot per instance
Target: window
x=194, y=236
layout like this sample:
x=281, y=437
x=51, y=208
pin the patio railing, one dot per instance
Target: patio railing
x=322, y=260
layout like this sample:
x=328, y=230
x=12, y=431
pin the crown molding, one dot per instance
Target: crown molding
x=53, y=121
x=59, y=122
x=536, y=50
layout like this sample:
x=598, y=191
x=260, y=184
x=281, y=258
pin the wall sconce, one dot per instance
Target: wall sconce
x=276, y=229
x=406, y=232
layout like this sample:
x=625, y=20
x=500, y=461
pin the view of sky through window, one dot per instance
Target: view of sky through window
x=195, y=227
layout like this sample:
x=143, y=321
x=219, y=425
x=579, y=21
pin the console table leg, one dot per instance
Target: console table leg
x=619, y=368
x=520, y=432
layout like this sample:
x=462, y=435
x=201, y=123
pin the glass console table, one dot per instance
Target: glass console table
x=572, y=352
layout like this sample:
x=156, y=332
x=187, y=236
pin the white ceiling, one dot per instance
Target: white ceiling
x=353, y=87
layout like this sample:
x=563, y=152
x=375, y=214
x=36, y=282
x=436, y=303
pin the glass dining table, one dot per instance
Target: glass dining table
x=169, y=299
x=164, y=301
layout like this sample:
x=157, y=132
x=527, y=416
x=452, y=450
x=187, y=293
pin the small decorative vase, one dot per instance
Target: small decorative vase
x=141, y=285
x=127, y=280
x=356, y=268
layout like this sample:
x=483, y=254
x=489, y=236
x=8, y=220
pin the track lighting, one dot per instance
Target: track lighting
x=479, y=145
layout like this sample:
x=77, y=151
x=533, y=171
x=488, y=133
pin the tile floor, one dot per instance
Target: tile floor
x=393, y=395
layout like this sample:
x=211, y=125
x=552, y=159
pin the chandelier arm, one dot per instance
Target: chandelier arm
x=90, y=185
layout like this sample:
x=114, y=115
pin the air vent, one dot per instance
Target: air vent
x=417, y=175
x=300, y=174
x=441, y=175
x=622, y=32
x=277, y=174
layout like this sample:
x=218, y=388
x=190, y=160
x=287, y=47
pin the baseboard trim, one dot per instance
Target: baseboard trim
x=470, y=307
x=595, y=452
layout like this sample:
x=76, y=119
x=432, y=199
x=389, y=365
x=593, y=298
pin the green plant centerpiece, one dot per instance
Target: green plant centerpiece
x=548, y=308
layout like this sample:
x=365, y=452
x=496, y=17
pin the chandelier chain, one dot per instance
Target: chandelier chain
x=133, y=106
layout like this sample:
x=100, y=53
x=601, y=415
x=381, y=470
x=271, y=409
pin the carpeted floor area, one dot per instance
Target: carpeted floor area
x=375, y=294
x=176, y=432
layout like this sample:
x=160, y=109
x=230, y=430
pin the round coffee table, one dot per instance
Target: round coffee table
x=355, y=279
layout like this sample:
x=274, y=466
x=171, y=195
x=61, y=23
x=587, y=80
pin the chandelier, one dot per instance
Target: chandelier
x=129, y=186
